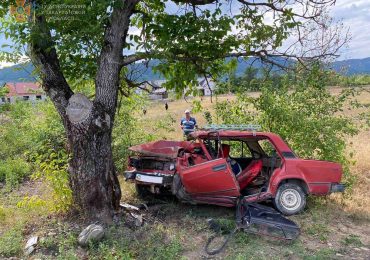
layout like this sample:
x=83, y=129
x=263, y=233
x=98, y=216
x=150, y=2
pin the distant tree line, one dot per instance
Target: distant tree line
x=254, y=78
x=337, y=79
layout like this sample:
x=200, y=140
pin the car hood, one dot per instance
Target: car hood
x=163, y=148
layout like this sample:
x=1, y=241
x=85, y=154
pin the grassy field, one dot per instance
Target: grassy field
x=337, y=227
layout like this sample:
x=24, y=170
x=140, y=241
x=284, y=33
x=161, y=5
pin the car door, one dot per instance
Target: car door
x=213, y=177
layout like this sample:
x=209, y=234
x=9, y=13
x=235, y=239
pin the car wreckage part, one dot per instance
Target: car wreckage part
x=142, y=191
x=257, y=219
x=179, y=191
x=263, y=220
x=243, y=127
x=152, y=164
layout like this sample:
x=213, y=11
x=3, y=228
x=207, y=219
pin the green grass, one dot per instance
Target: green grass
x=318, y=230
x=321, y=254
x=352, y=240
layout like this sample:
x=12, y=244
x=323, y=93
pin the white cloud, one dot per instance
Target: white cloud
x=356, y=16
x=6, y=64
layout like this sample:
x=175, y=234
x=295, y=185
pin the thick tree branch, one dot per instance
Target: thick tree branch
x=44, y=56
x=110, y=60
x=127, y=60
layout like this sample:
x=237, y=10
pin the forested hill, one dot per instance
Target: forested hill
x=23, y=72
x=17, y=73
x=353, y=66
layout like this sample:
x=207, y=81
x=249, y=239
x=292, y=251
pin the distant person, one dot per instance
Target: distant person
x=166, y=106
x=188, y=123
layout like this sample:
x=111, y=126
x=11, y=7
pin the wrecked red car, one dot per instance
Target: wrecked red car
x=224, y=164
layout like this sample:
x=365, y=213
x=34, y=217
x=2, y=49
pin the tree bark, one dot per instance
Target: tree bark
x=94, y=182
x=88, y=124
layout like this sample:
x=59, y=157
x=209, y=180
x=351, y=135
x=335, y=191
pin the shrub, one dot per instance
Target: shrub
x=36, y=132
x=33, y=202
x=52, y=164
x=16, y=133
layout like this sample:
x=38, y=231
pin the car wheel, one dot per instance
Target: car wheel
x=142, y=191
x=290, y=199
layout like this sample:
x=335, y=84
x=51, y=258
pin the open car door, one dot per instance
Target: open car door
x=210, y=178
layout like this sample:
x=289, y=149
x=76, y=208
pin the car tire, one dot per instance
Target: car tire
x=142, y=191
x=290, y=199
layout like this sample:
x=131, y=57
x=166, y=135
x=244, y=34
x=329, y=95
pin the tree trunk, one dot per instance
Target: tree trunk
x=93, y=178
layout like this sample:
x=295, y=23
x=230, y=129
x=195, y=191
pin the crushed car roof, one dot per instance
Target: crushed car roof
x=226, y=134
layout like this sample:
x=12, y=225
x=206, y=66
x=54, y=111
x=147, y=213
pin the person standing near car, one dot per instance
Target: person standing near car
x=188, y=123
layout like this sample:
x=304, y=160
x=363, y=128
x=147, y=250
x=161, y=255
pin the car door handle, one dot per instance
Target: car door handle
x=220, y=167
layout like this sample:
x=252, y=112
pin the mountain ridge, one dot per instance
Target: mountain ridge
x=23, y=72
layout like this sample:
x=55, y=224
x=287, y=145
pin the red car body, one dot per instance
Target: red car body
x=220, y=167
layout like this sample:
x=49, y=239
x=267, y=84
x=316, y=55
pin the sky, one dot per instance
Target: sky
x=355, y=15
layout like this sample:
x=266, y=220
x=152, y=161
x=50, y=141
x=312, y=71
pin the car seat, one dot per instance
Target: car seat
x=224, y=151
x=249, y=173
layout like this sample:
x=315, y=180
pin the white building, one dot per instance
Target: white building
x=205, y=87
x=154, y=88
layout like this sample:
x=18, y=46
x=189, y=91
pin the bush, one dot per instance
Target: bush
x=50, y=157
x=36, y=132
x=16, y=130
x=53, y=168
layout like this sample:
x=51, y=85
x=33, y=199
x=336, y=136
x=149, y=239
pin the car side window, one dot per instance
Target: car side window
x=267, y=147
x=211, y=146
x=238, y=149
